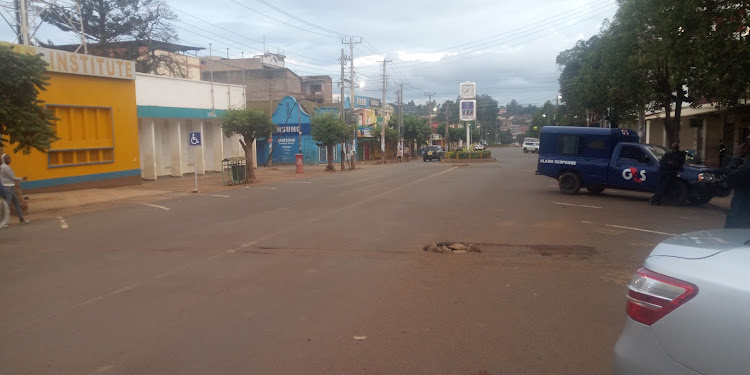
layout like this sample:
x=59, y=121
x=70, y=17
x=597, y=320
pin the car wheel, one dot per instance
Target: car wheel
x=424, y=159
x=677, y=193
x=596, y=190
x=570, y=183
x=525, y=151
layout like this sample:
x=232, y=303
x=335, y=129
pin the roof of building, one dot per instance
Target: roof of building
x=165, y=46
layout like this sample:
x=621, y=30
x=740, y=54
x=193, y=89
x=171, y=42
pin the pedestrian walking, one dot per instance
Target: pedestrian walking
x=669, y=166
x=399, y=154
x=9, y=180
x=407, y=153
x=738, y=177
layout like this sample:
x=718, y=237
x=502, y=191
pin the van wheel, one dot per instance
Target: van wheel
x=677, y=194
x=596, y=190
x=570, y=183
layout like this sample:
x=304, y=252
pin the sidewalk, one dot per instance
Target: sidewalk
x=52, y=205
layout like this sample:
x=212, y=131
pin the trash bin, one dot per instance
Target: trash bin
x=234, y=171
x=298, y=160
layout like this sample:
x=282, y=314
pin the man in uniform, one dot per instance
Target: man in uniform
x=669, y=166
x=738, y=177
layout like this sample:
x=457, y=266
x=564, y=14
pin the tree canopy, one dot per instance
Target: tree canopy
x=106, y=22
x=249, y=124
x=330, y=130
x=659, y=55
x=24, y=122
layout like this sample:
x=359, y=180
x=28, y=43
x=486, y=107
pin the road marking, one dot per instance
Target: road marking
x=217, y=195
x=157, y=206
x=641, y=230
x=300, y=182
x=586, y=222
x=575, y=205
x=63, y=223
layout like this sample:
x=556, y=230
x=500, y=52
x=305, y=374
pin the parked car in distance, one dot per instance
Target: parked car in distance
x=687, y=307
x=432, y=153
x=516, y=144
x=530, y=146
x=482, y=145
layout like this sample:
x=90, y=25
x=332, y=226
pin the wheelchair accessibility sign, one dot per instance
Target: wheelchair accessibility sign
x=194, y=139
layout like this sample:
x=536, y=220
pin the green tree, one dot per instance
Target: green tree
x=330, y=130
x=108, y=22
x=506, y=137
x=24, y=122
x=249, y=124
x=416, y=130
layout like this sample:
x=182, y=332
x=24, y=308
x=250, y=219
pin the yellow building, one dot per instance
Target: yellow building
x=94, y=100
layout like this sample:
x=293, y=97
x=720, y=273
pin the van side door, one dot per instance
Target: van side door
x=633, y=168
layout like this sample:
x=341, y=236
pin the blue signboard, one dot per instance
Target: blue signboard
x=194, y=138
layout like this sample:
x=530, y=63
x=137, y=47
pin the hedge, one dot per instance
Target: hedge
x=468, y=155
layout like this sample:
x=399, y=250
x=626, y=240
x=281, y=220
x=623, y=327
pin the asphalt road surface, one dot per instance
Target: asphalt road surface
x=281, y=278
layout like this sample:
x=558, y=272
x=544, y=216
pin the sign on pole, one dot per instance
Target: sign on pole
x=194, y=138
x=468, y=110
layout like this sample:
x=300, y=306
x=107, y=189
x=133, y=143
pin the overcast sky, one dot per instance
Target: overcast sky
x=507, y=47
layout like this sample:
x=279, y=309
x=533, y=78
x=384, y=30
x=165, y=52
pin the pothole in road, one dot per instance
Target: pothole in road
x=554, y=251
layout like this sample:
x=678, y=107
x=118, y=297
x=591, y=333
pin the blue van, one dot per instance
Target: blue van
x=611, y=158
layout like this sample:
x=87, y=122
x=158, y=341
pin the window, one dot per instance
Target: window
x=86, y=136
x=569, y=145
x=632, y=154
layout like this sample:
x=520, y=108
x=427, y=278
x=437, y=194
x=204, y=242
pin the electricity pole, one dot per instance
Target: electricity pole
x=343, y=115
x=351, y=96
x=400, y=99
x=383, y=124
x=429, y=110
x=447, y=123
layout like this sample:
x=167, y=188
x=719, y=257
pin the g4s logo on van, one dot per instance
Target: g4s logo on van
x=633, y=174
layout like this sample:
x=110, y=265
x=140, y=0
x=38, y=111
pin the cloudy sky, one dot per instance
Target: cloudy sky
x=507, y=47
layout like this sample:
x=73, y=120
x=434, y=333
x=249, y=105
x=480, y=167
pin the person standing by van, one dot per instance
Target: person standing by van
x=669, y=166
x=738, y=177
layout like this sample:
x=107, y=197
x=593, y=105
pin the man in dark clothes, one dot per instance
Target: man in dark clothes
x=738, y=177
x=671, y=164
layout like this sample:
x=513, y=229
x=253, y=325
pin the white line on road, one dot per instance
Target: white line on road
x=641, y=230
x=575, y=205
x=217, y=195
x=157, y=206
x=63, y=223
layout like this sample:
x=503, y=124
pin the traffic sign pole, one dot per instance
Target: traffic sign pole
x=194, y=139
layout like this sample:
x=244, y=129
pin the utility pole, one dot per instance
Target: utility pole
x=351, y=96
x=429, y=110
x=341, y=104
x=229, y=82
x=22, y=22
x=401, y=115
x=447, y=124
x=383, y=124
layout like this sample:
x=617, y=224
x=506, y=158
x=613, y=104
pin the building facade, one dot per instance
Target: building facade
x=94, y=100
x=169, y=109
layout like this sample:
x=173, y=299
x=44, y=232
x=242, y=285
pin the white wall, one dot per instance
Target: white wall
x=164, y=91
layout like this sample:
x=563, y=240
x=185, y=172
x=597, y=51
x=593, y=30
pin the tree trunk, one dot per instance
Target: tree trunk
x=329, y=154
x=248, y=148
x=343, y=157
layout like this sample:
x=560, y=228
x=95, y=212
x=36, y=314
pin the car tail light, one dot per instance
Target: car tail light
x=651, y=296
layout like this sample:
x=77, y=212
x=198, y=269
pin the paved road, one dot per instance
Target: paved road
x=281, y=278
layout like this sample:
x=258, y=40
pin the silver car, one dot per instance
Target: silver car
x=688, y=307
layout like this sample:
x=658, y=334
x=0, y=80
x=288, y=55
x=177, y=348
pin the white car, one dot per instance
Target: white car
x=529, y=146
x=688, y=308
